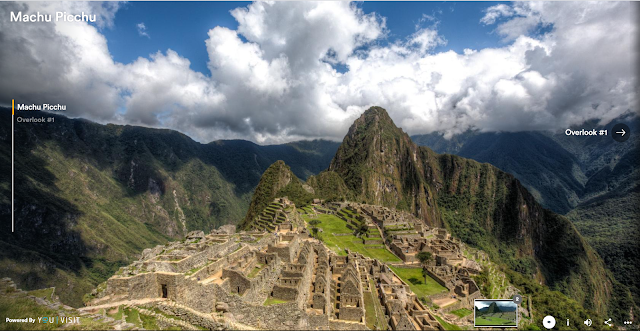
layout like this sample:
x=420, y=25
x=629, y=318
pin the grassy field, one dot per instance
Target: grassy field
x=493, y=320
x=462, y=312
x=446, y=325
x=496, y=319
x=331, y=225
x=416, y=281
x=272, y=301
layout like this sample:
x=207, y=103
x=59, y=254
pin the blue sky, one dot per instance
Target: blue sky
x=532, y=66
x=183, y=26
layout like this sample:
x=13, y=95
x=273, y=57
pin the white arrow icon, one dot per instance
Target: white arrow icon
x=621, y=133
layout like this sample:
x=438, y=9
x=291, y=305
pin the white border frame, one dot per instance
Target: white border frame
x=495, y=326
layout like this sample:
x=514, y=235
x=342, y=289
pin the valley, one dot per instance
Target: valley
x=124, y=194
x=590, y=180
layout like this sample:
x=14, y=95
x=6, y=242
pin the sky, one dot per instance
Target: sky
x=273, y=72
x=484, y=304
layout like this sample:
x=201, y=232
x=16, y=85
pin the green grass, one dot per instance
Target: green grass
x=372, y=303
x=20, y=306
x=416, y=281
x=149, y=322
x=132, y=316
x=462, y=312
x=331, y=224
x=370, y=311
x=42, y=293
x=494, y=320
x=446, y=325
x=254, y=272
x=118, y=314
x=273, y=301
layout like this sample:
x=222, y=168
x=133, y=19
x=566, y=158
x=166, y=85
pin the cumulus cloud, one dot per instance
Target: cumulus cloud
x=142, y=30
x=273, y=78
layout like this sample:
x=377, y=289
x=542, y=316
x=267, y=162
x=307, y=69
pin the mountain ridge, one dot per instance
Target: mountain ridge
x=90, y=197
x=594, y=181
x=478, y=203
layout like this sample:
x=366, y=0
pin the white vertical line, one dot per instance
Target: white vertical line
x=13, y=177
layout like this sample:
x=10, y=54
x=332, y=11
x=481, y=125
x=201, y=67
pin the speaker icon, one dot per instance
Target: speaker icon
x=588, y=322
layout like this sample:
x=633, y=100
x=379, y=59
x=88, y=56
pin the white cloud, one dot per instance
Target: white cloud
x=272, y=79
x=495, y=12
x=142, y=30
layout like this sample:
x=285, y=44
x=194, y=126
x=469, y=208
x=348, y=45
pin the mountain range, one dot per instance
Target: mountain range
x=594, y=181
x=485, y=207
x=90, y=197
x=494, y=308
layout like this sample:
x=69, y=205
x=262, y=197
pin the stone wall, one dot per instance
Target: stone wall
x=351, y=313
x=238, y=283
x=283, y=292
x=222, y=262
x=135, y=287
x=285, y=316
x=319, y=322
x=192, y=261
x=170, y=282
x=262, y=283
x=437, y=278
x=339, y=325
x=197, y=296
x=288, y=252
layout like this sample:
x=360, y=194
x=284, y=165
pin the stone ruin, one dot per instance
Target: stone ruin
x=277, y=277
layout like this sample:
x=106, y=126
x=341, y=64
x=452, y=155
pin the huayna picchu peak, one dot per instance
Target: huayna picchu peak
x=390, y=236
x=319, y=165
x=487, y=208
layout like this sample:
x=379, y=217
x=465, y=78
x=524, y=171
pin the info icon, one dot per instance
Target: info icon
x=549, y=322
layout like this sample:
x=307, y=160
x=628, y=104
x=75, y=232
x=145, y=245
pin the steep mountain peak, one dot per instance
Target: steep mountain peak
x=480, y=204
x=493, y=308
x=277, y=181
x=374, y=121
x=381, y=165
x=377, y=113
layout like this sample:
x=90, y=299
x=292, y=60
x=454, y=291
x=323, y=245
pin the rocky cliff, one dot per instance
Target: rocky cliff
x=478, y=203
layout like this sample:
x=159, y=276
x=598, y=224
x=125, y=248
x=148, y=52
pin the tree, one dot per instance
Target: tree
x=314, y=228
x=363, y=228
x=425, y=258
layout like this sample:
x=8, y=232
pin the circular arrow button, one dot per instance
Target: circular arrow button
x=620, y=132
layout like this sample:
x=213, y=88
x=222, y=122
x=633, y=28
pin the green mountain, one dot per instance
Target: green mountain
x=478, y=203
x=90, y=197
x=593, y=180
x=277, y=181
x=493, y=308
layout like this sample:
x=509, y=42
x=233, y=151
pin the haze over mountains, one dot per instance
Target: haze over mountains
x=89, y=197
x=594, y=181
